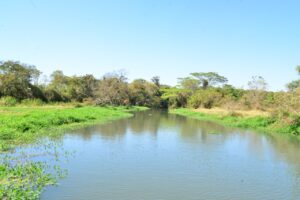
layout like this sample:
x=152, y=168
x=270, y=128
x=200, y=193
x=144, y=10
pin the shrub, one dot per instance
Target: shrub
x=294, y=125
x=8, y=101
x=205, y=98
x=32, y=102
x=234, y=114
x=53, y=96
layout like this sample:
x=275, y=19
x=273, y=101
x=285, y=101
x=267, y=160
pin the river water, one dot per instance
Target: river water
x=159, y=156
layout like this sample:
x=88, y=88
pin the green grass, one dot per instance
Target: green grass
x=21, y=179
x=21, y=125
x=260, y=123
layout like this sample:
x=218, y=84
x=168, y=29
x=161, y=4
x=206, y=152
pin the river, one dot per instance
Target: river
x=159, y=156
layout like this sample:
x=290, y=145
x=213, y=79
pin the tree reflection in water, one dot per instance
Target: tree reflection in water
x=196, y=132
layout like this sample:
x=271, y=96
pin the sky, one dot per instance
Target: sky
x=169, y=38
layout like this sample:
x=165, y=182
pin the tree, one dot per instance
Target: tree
x=156, y=80
x=189, y=83
x=175, y=97
x=88, y=85
x=209, y=79
x=232, y=92
x=75, y=88
x=144, y=93
x=205, y=98
x=292, y=86
x=112, y=90
x=257, y=92
x=17, y=80
x=257, y=83
x=81, y=87
x=58, y=86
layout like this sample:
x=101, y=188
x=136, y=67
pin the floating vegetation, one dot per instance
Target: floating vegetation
x=24, y=173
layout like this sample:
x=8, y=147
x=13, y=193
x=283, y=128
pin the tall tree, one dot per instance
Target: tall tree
x=156, y=80
x=58, y=85
x=257, y=83
x=257, y=92
x=144, y=93
x=189, y=83
x=209, y=79
x=17, y=80
x=112, y=90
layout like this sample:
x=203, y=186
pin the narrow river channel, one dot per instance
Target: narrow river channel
x=159, y=156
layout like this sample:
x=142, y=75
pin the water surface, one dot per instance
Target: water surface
x=159, y=156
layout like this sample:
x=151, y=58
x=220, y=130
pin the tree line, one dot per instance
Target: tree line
x=21, y=82
x=200, y=89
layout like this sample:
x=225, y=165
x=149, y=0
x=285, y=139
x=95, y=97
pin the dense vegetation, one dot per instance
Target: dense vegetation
x=251, y=121
x=20, y=83
x=23, y=181
x=30, y=108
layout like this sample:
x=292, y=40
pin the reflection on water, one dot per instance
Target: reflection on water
x=156, y=155
x=151, y=122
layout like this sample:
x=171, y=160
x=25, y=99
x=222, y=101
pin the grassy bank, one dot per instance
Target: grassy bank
x=21, y=124
x=252, y=120
x=25, y=179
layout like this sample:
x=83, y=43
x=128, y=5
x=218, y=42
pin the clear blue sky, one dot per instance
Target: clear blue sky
x=236, y=38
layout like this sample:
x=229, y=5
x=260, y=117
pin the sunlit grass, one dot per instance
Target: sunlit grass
x=252, y=120
x=26, y=179
x=26, y=124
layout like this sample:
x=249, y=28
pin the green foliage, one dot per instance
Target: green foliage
x=16, y=79
x=189, y=83
x=26, y=124
x=231, y=92
x=156, y=81
x=175, y=97
x=65, y=88
x=8, y=101
x=20, y=81
x=53, y=96
x=23, y=181
x=201, y=79
x=293, y=85
x=276, y=123
x=32, y=102
x=205, y=98
x=209, y=79
x=143, y=93
x=112, y=90
x=296, y=83
x=294, y=125
x=19, y=125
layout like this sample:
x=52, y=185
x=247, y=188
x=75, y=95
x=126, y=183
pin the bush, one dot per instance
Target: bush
x=205, y=98
x=8, y=101
x=294, y=124
x=78, y=105
x=32, y=102
x=234, y=114
x=54, y=96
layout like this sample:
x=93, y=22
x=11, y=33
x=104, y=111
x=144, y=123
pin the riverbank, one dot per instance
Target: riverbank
x=26, y=179
x=261, y=121
x=26, y=124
